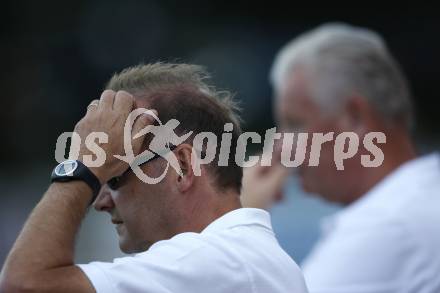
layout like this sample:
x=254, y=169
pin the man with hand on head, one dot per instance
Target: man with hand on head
x=335, y=79
x=188, y=233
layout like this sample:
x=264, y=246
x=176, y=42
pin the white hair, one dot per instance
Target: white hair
x=343, y=60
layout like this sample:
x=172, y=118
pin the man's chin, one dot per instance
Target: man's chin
x=128, y=247
x=125, y=245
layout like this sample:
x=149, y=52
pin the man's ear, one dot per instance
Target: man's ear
x=184, y=180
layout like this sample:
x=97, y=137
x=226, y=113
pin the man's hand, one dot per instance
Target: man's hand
x=109, y=115
x=41, y=259
x=263, y=186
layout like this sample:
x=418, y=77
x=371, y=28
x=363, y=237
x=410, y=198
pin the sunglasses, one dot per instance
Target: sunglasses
x=115, y=182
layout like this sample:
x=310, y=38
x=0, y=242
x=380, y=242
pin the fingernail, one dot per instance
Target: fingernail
x=108, y=91
x=124, y=93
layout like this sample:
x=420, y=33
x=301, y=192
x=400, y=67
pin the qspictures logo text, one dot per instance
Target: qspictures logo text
x=206, y=144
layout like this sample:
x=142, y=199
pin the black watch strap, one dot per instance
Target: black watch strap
x=71, y=170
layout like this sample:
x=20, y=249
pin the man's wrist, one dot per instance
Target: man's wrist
x=98, y=172
x=76, y=190
x=75, y=170
x=101, y=172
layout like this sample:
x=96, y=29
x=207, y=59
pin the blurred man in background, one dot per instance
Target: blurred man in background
x=189, y=232
x=339, y=78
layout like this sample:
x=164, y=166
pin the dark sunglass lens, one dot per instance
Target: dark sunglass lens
x=113, y=183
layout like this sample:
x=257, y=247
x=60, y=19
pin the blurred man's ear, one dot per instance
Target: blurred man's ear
x=186, y=178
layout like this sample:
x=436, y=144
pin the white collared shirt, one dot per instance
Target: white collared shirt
x=236, y=253
x=387, y=241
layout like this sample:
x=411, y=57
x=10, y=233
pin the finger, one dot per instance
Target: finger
x=277, y=150
x=106, y=100
x=273, y=157
x=141, y=122
x=123, y=102
x=143, y=131
x=262, y=170
x=92, y=106
x=277, y=177
x=273, y=186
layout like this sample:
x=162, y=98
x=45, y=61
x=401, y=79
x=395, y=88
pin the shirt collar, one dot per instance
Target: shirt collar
x=240, y=217
x=406, y=177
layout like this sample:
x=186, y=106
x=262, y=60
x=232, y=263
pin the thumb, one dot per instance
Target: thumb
x=142, y=122
x=275, y=181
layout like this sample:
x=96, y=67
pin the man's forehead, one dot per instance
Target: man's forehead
x=294, y=92
x=142, y=102
x=293, y=83
x=295, y=104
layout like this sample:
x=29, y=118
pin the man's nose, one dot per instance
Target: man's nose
x=104, y=202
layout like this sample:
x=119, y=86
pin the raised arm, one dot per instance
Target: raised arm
x=41, y=259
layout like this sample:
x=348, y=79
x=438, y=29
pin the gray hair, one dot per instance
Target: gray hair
x=344, y=60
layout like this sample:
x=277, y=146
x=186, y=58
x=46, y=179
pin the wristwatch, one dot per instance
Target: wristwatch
x=71, y=170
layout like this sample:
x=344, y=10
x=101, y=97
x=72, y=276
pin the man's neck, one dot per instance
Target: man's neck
x=204, y=212
x=398, y=150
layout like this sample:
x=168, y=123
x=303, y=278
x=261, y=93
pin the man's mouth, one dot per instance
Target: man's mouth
x=116, y=222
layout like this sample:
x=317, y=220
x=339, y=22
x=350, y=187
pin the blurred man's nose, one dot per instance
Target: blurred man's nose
x=104, y=202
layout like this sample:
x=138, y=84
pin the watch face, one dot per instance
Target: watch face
x=66, y=168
